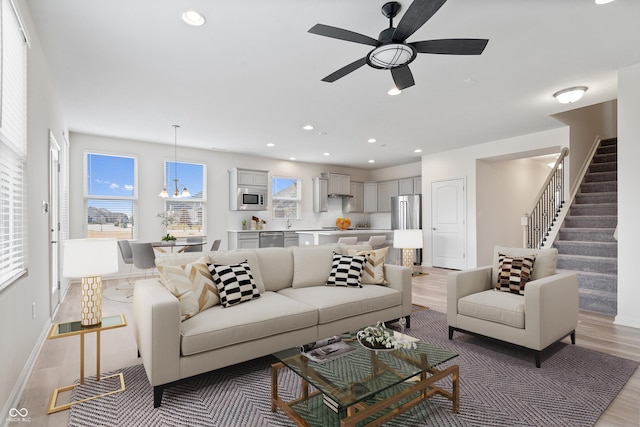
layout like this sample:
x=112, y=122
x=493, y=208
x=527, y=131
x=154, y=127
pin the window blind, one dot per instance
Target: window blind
x=13, y=146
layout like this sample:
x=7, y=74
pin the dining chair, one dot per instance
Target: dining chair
x=216, y=245
x=127, y=256
x=347, y=240
x=143, y=256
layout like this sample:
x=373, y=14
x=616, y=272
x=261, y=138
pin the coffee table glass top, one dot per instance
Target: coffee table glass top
x=363, y=373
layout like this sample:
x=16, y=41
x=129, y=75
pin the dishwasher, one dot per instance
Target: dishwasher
x=272, y=239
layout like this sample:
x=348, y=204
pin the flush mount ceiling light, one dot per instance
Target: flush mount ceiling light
x=391, y=55
x=193, y=18
x=176, y=194
x=572, y=94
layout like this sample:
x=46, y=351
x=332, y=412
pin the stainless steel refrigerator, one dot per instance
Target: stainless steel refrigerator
x=406, y=213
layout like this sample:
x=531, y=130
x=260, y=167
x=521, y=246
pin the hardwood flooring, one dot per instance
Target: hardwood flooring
x=58, y=361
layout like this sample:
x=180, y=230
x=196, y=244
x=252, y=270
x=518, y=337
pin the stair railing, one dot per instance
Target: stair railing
x=538, y=220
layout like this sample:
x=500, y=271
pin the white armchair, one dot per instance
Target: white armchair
x=546, y=313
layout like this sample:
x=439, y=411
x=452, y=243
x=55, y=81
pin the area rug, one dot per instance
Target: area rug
x=499, y=386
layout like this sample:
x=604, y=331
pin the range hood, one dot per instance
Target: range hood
x=340, y=196
x=339, y=185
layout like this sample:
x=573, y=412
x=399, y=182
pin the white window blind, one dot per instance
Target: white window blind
x=13, y=146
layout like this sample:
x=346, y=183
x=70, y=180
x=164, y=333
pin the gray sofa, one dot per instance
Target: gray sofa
x=294, y=307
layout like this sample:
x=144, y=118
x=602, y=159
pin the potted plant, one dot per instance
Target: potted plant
x=244, y=224
x=169, y=238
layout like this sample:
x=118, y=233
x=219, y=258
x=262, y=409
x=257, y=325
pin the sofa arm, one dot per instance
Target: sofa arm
x=551, y=308
x=463, y=283
x=156, y=315
x=399, y=278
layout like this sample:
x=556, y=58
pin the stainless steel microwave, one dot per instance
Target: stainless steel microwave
x=252, y=199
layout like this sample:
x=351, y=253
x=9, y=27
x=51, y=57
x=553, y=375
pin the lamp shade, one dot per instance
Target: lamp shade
x=90, y=257
x=407, y=239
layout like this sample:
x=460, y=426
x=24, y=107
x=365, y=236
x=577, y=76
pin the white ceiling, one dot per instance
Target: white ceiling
x=252, y=74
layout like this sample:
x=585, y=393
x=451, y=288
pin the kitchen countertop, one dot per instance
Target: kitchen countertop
x=343, y=232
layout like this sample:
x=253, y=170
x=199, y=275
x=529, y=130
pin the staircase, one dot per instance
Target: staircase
x=585, y=242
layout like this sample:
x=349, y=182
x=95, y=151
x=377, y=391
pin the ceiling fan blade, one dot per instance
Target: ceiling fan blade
x=418, y=13
x=451, y=46
x=402, y=77
x=345, y=70
x=339, y=33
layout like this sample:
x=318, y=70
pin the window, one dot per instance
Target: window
x=13, y=146
x=111, y=196
x=286, y=196
x=184, y=216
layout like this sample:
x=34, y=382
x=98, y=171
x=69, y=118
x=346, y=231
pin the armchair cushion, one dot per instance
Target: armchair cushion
x=500, y=307
x=514, y=272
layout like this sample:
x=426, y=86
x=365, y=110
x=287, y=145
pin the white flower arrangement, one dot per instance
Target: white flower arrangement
x=378, y=337
x=168, y=218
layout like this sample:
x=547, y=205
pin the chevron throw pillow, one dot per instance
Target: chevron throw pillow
x=235, y=283
x=346, y=270
x=373, y=272
x=514, y=272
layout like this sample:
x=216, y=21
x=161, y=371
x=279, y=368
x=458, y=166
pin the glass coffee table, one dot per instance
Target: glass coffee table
x=364, y=387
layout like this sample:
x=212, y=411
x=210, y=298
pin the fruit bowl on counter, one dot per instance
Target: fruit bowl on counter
x=343, y=223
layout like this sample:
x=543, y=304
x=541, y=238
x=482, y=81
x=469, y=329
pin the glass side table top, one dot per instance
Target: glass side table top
x=59, y=330
x=362, y=373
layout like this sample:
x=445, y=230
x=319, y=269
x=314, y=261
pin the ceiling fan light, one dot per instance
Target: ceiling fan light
x=391, y=55
x=395, y=91
x=572, y=94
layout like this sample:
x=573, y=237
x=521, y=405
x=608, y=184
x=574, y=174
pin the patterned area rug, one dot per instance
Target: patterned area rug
x=499, y=386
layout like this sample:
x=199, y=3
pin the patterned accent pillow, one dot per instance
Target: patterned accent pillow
x=235, y=283
x=373, y=272
x=514, y=272
x=346, y=270
x=192, y=285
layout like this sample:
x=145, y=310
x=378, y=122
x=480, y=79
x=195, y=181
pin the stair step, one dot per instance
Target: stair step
x=594, y=209
x=601, y=176
x=607, y=149
x=595, y=249
x=601, y=158
x=590, y=221
x=609, y=141
x=591, y=264
x=603, y=167
x=587, y=234
x=598, y=301
x=598, y=187
x=602, y=197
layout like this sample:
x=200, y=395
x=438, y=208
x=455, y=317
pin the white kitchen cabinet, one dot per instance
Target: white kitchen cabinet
x=339, y=184
x=370, y=202
x=411, y=185
x=320, y=195
x=386, y=190
x=253, y=177
x=248, y=240
x=355, y=203
x=417, y=185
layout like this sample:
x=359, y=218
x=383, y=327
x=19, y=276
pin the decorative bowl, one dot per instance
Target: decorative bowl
x=343, y=223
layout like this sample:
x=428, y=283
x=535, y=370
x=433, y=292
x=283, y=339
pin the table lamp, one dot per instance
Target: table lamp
x=407, y=240
x=90, y=259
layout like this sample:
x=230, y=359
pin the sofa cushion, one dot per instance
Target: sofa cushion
x=234, y=282
x=236, y=257
x=546, y=260
x=312, y=265
x=374, y=268
x=276, y=267
x=346, y=270
x=218, y=327
x=335, y=303
x=514, y=272
x=192, y=285
x=495, y=306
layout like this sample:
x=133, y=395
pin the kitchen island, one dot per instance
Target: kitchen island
x=321, y=237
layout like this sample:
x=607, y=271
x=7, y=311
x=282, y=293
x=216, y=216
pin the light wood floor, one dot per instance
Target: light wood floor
x=58, y=362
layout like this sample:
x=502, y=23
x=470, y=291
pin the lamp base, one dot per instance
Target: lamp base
x=407, y=259
x=91, y=301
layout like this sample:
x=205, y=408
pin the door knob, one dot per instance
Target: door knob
x=434, y=228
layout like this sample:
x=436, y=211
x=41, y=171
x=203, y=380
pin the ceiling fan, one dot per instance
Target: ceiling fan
x=391, y=51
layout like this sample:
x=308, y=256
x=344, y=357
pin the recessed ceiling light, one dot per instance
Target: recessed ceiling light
x=395, y=91
x=326, y=154
x=372, y=161
x=307, y=127
x=417, y=150
x=371, y=140
x=271, y=144
x=603, y=1
x=193, y=18
x=292, y=158
x=572, y=94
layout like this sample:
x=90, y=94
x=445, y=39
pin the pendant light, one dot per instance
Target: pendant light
x=176, y=194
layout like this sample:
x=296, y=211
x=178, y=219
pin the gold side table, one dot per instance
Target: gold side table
x=62, y=330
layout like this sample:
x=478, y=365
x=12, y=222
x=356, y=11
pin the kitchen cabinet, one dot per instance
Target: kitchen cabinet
x=410, y=185
x=339, y=184
x=252, y=177
x=386, y=190
x=244, y=240
x=320, y=195
x=370, y=202
x=355, y=203
x=290, y=239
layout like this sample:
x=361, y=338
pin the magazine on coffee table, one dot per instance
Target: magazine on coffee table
x=326, y=349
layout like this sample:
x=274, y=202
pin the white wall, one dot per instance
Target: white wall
x=20, y=332
x=628, y=203
x=461, y=163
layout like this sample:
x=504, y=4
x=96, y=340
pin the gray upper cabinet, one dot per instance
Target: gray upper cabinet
x=386, y=190
x=320, y=195
x=410, y=185
x=370, y=197
x=355, y=203
x=253, y=177
x=339, y=184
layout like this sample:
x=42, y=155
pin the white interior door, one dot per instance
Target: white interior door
x=54, y=223
x=448, y=219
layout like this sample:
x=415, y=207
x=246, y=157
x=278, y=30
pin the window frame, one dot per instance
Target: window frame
x=297, y=200
x=202, y=201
